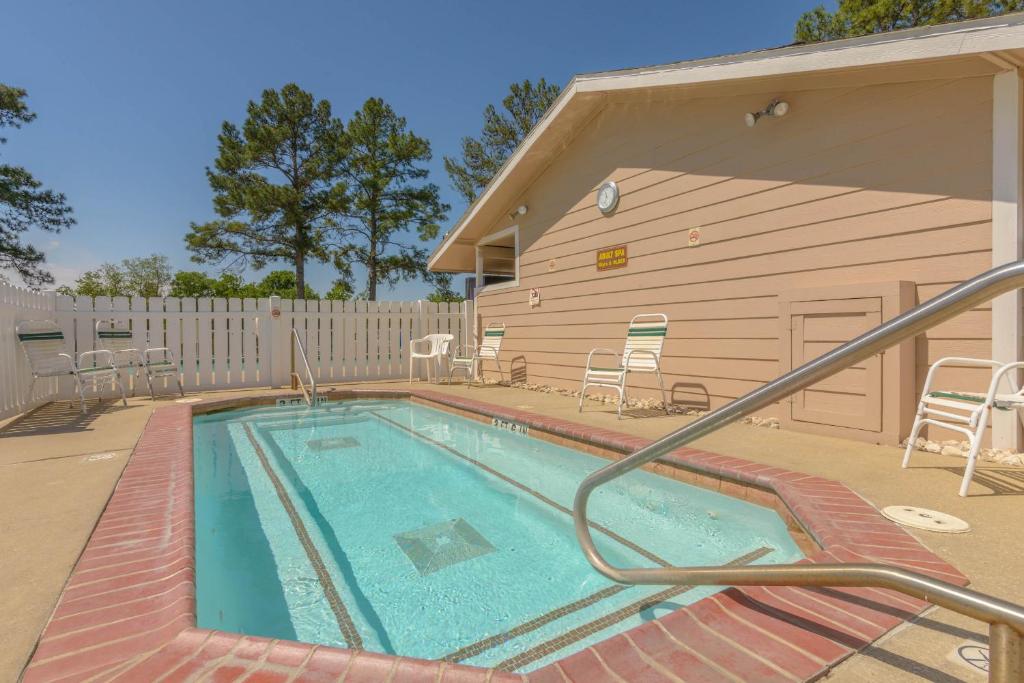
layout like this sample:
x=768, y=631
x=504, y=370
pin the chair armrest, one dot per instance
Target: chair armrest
x=71, y=361
x=414, y=342
x=100, y=357
x=485, y=352
x=168, y=354
x=993, y=386
x=602, y=351
x=954, y=360
x=634, y=352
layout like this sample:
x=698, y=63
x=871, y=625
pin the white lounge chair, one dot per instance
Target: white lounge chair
x=473, y=363
x=43, y=342
x=115, y=336
x=433, y=347
x=965, y=411
x=642, y=353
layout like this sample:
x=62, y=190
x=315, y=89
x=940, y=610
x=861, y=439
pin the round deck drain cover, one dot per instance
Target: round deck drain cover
x=929, y=520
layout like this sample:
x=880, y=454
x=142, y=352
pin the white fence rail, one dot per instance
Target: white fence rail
x=231, y=343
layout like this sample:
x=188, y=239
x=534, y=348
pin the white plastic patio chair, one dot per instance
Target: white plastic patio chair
x=642, y=353
x=473, y=363
x=43, y=342
x=433, y=347
x=965, y=411
x=115, y=336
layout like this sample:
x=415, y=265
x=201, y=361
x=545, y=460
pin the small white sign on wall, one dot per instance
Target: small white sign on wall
x=534, y=298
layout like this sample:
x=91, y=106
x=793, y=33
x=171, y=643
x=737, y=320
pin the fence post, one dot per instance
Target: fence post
x=469, y=324
x=279, y=338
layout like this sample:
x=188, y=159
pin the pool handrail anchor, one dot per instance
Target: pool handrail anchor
x=309, y=396
x=1005, y=619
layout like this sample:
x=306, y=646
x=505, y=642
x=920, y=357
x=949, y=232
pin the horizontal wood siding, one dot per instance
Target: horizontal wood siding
x=855, y=185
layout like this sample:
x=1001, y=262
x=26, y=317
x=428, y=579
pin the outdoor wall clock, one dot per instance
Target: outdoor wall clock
x=607, y=197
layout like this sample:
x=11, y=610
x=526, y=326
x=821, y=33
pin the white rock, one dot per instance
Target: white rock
x=951, y=450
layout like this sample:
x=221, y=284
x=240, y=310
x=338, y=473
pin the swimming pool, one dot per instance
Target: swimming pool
x=398, y=528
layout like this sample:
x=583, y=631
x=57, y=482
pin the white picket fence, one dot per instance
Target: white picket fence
x=232, y=343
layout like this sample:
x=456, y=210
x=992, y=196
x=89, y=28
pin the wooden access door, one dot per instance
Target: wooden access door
x=873, y=400
x=852, y=398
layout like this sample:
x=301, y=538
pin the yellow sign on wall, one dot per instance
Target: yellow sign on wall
x=612, y=257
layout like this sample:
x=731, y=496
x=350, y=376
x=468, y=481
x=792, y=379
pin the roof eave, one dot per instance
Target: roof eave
x=913, y=45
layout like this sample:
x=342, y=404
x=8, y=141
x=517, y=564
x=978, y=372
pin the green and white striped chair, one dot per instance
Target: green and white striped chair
x=644, y=341
x=43, y=343
x=966, y=412
x=116, y=337
x=489, y=348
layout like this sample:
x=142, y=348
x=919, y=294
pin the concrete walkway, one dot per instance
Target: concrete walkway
x=57, y=470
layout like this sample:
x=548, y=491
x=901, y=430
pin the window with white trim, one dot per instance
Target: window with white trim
x=497, y=260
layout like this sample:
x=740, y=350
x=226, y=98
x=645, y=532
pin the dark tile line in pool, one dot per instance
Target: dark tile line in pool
x=345, y=623
x=608, y=620
x=523, y=487
x=533, y=624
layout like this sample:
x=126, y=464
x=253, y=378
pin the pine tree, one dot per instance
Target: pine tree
x=290, y=137
x=388, y=197
x=524, y=106
x=24, y=205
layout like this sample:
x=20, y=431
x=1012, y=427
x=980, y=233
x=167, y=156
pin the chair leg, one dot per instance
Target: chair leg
x=81, y=395
x=661, y=383
x=972, y=456
x=31, y=388
x=124, y=399
x=622, y=395
x=149, y=383
x=181, y=389
x=915, y=430
x=583, y=393
x=411, y=361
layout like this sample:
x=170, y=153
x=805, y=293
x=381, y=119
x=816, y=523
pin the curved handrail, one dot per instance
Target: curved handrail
x=995, y=611
x=309, y=373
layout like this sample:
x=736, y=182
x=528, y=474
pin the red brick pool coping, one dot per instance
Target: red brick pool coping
x=128, y=610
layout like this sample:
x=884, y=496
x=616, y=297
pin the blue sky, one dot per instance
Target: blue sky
x=130, y=95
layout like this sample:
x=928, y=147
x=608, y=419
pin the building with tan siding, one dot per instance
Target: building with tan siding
x=894, y=174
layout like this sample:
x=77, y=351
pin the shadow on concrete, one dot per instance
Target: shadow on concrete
x=1001, y=481
x=60, y=418
x=689, y=395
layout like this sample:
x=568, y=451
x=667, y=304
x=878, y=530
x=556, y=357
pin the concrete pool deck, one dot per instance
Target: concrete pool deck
x=54, y=448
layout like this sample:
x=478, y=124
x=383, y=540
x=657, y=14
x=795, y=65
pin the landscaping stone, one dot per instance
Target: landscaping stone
x=962, y=449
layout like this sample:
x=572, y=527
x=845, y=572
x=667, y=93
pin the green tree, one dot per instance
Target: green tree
x=282, y=283
x=288, y=136
x=230, y=285
x=341, y=290
x=389, y=196
x=137, y=276
x=147, y=276
x=23, y=203
x=524, y=106
x=442, y=283
x=191, y=284
x=862, y=17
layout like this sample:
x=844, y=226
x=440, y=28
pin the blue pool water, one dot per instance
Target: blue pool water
x=402, y=529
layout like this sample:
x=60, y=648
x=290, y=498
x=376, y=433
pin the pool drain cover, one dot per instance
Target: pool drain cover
x=929, y=520
x=441, y=545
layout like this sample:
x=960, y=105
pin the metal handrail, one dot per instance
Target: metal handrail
x=310, y=401
x=1006, y=619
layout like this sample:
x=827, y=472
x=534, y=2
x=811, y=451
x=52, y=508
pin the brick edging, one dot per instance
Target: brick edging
x=128, y=609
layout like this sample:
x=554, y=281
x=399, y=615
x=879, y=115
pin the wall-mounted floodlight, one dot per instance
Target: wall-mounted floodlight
x=521, y=211
x=775, y=108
